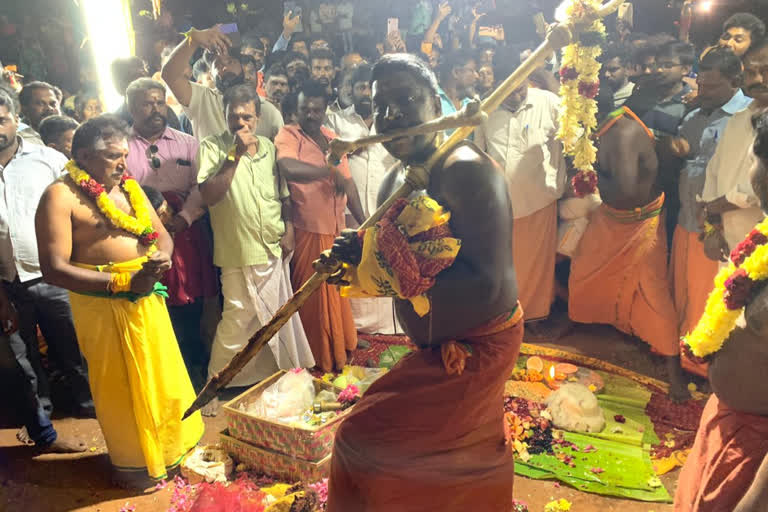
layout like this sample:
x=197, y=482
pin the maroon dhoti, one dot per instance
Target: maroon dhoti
x=422, y=440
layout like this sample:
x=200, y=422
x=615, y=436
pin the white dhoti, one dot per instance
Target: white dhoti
x=375, y=316
x=252, y=296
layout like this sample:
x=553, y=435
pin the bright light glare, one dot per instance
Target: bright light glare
x=705, y=6
x=560, y=15
x=109, y=37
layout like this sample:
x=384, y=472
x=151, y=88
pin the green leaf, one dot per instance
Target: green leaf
x=392, y=355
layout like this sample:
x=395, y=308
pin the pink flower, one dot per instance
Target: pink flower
x=128, y=507
x=350, y=394
x=619, y=419
x=162, y=484
x=321, y=488
x=589, y=448
x=597, y=471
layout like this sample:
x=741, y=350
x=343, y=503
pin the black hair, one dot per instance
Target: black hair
x=120, y=68
x=8, y=102
x=758, y=46
x=105, y=126
x=362, y=73
x=453, y=60
x=322, y=54
x=140, y=86
x=275, y=70
x=298, y=38
x=242, y=94
x=289, y=105
x=200, y=67
x=156, y=199
x=247, y=59
x=52, y=127
x=209, y=56
x=313, y=89
x=292, y=56
x=723, y=60
x=82, y=98
x=252, y=41
x=505, y=61
x=396, y=62
x=749, y=22
x=25, y=96
x=617, y=50
x=683, y=51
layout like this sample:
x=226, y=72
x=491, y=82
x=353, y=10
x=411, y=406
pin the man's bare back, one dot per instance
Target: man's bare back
x=481, y=284
x=627, y=166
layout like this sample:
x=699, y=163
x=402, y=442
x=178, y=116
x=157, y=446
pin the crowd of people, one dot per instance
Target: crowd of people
x=227, y=136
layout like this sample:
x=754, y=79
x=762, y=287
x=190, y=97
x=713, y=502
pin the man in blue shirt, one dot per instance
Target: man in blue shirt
x=720, y=97
x=458, y=76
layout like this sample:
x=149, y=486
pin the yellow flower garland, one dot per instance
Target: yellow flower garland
x=580, y=68
x=717, y=322
x=140, y=225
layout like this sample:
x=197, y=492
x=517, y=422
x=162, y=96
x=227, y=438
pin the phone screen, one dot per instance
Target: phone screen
x=392, y=25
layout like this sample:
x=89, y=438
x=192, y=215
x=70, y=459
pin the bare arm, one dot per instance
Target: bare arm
x=481, y=216
x=442, y=12
x=215, y=187
x=173, y=71
x=296, y=170
x=353, y=200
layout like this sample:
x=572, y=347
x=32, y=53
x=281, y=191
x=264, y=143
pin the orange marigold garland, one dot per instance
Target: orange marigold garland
x=579, y=85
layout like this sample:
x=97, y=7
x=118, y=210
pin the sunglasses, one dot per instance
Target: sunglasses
x=154, y=161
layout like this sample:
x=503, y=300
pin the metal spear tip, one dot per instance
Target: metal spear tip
x=206, y=395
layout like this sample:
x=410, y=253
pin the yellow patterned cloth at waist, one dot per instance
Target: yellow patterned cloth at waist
x=403, y=252
x=652, y=209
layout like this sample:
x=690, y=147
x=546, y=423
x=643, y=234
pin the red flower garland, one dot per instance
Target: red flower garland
x=589, y=90
x=584, y=183
x=738, y=289
x=745, y=248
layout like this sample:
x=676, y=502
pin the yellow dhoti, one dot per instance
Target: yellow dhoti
x=139, y=383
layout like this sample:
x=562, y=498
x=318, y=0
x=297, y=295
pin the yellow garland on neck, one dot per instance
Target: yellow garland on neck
x=135, y=225
x=578, y=114
x=717, y=322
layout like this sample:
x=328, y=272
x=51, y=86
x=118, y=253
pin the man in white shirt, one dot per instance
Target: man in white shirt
x=368, y=167
x=729, y=200
x=204, y=106
x=26, y=169
x=520, y=136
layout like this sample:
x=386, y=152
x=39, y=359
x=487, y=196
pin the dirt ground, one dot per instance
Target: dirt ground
x=53, y=483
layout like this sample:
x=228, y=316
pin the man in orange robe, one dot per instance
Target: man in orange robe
x=727, y=468
x=619, y=271
x=319, y=192
x=429, y=434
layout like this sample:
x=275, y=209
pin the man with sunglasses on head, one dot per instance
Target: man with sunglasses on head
x=166, y=160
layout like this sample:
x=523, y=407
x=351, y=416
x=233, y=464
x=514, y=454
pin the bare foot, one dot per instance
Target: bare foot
x=22, y=436
x=678, y=389
x=134, y=480
x=63, y=446
x=211, y=408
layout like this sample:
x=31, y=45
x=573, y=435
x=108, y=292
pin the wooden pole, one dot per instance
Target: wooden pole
x=416, y=178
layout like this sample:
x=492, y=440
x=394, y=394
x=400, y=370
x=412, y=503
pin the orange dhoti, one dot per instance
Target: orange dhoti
x=729, y=448
x=534, y=248
x=423, y=440
x=619, y=276
x=326, y=315
x=692, y=275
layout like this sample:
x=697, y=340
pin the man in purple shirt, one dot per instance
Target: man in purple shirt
x=166, y=160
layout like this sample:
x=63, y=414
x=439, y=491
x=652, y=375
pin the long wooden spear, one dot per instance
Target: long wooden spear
x=416, y=178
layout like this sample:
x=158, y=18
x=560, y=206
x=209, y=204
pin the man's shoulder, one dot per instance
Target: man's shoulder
x=536, y=94
x=181, y=136
x=54, y=158
x=267, y=108
x=467, y=158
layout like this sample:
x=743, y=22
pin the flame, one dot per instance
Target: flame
x=552, y=372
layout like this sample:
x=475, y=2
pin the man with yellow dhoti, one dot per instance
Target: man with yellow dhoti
x=99, y=238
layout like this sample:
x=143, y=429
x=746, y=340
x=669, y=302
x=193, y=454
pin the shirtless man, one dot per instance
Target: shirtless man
x=618, y=272
x=453, y=456
x=727, y=468
x=120, y=317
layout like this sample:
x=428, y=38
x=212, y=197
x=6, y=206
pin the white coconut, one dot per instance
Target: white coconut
x=575, y=408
